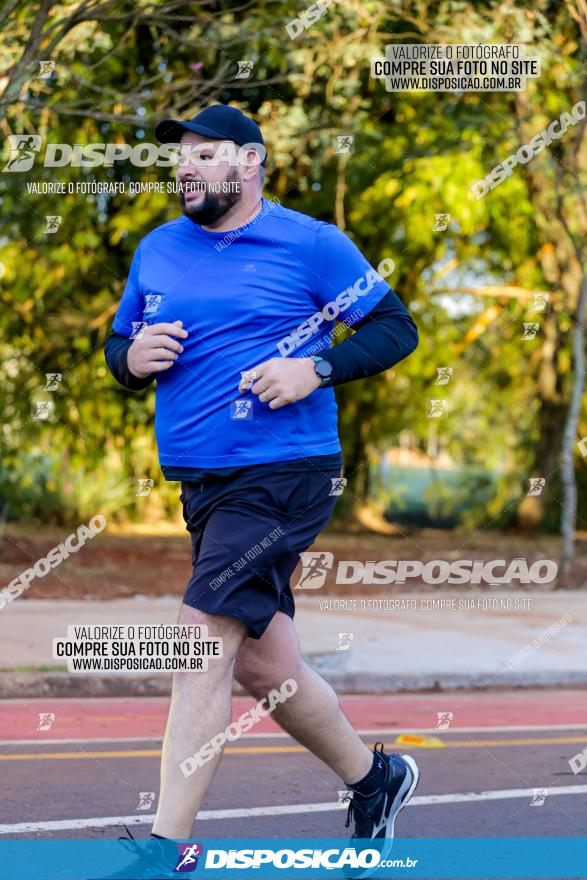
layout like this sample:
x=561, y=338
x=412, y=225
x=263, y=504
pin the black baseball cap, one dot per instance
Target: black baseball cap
x=217, y=121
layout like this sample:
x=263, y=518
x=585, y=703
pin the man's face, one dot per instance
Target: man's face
x=209, y=177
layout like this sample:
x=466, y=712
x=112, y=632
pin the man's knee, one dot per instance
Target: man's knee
x=260, y=678
x=230, y=630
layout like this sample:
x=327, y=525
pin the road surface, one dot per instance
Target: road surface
x=83, y=775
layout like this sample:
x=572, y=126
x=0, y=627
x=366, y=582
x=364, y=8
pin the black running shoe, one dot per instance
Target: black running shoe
x=155, y=859
x=375, y=816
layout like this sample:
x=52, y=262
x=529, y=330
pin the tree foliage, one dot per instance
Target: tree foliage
x=118, y=69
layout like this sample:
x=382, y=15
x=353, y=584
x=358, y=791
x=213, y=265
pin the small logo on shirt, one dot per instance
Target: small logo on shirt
x=241, y=409
x=152, y=301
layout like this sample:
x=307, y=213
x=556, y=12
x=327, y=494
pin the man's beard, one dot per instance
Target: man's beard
x=214, y=205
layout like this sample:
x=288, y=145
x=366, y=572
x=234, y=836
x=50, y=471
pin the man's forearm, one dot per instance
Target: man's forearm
x=385, y=337
x=115, y=351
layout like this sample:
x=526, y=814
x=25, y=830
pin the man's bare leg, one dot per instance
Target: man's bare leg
x=200, y=709
x=313, y=715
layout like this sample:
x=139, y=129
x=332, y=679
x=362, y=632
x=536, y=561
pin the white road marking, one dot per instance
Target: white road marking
x=279, y=734
x=287, y=810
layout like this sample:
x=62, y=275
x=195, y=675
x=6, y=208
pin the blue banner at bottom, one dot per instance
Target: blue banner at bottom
x=557, y=858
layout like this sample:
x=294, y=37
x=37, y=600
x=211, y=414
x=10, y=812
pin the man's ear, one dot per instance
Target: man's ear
x=249, y=162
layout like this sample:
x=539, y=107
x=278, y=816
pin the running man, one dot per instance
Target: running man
x=226, y=307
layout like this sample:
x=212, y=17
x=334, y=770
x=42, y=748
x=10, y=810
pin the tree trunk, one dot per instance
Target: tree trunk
x=551, y=415
x=354, y=440
x=569, y=511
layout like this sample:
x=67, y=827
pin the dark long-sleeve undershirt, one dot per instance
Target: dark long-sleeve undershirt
x=116, y=353
x=382, y=338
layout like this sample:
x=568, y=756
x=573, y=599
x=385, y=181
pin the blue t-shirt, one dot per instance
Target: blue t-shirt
x=273, y=288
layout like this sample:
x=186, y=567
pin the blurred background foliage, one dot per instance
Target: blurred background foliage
x=120, y=68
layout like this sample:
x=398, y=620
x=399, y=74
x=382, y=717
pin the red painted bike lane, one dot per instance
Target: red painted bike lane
x=128, y=718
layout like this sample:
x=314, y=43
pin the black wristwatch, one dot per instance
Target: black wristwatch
x=323, y=369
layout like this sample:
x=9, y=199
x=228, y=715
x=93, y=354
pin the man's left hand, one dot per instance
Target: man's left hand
x=281, y=381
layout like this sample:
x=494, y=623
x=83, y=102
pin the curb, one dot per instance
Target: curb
x=63, y=685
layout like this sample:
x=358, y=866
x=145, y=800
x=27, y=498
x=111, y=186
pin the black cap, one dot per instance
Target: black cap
x=218, y=121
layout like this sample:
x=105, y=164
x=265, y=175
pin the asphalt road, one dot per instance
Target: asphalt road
x=83, y=775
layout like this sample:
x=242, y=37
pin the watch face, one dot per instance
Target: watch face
x=323, y=368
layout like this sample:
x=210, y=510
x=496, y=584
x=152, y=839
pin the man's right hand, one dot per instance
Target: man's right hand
x=155, y=349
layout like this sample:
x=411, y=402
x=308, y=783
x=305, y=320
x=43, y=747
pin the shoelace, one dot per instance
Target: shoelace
x=130, y=843
x=133, y=846
x=361, y=818
x=357, y=813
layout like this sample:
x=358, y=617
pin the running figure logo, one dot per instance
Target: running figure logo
x=537, y=484
x=244, y=69
x=538, y=797
x=46, y=68
x=444, y=719
x=23, y=150
x=152, y=301
x=314, y=568
x=344, y=641
x=539, y=302
x=438, y=408
x=146, y=799
x=188, y=856
x=241, y=409
x=46, y=719
x=530, y=330
x=338, y=485
x=345, y=143
x=53, y=380
x=53, y=222
x=41, y=410
x=443, y=375
x=441, y=222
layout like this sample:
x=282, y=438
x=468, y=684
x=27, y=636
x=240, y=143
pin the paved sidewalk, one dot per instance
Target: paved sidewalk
x=465, y=643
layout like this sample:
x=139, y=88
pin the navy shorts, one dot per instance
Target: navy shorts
x=248, y=530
